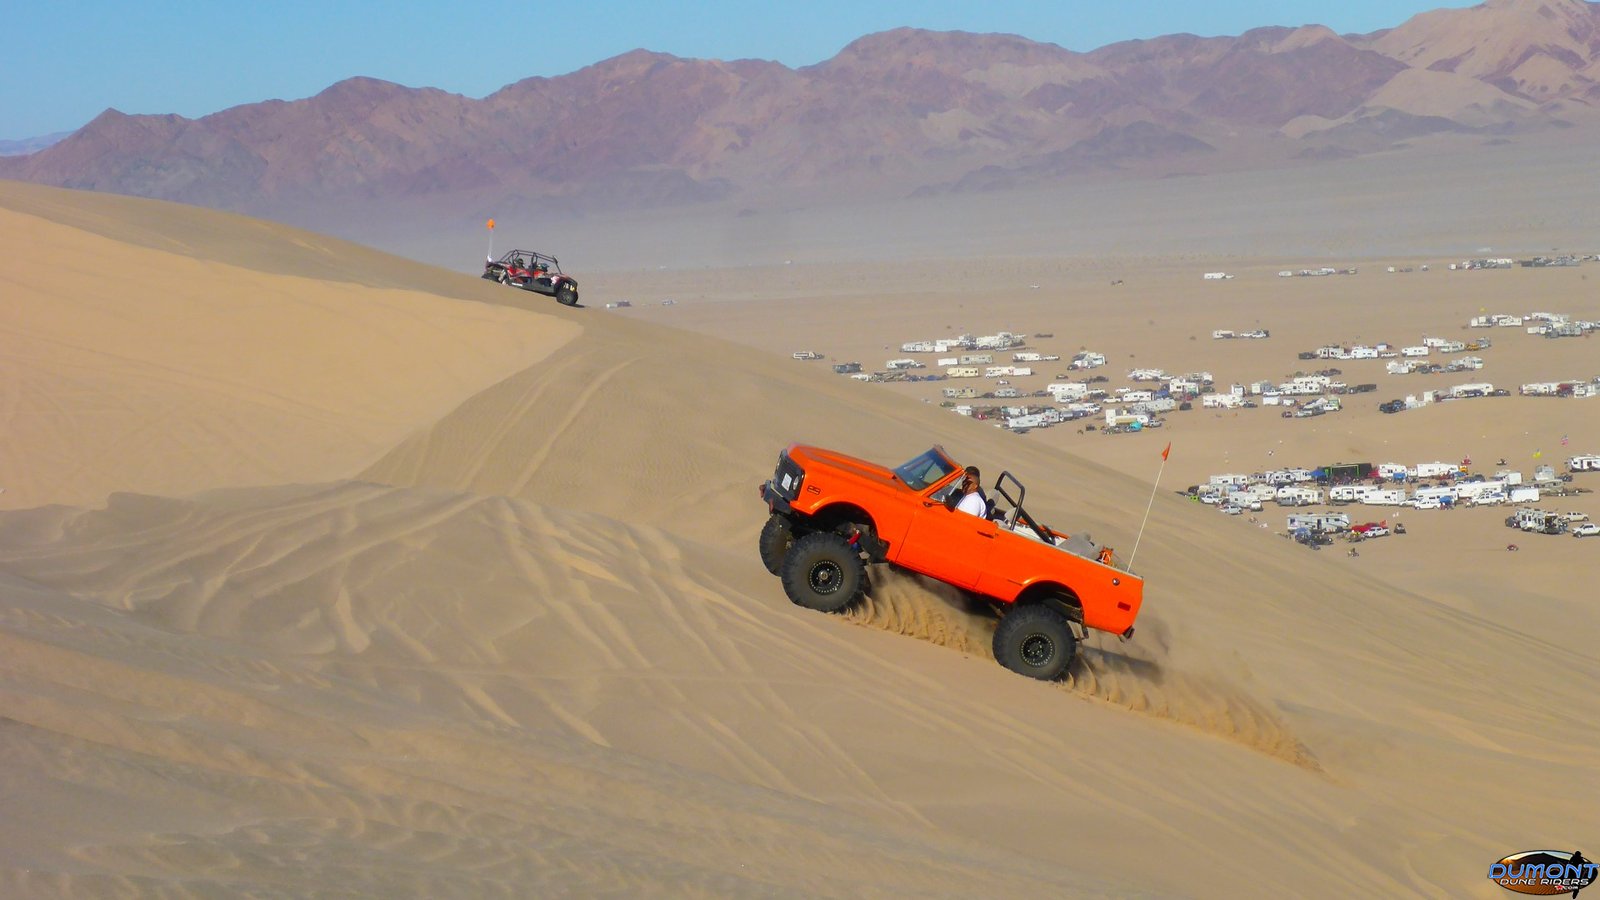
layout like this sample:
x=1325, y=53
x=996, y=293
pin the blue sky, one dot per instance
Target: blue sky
x=64, y=61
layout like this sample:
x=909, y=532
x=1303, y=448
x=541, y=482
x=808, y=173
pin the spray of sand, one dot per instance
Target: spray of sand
x=1137, y=676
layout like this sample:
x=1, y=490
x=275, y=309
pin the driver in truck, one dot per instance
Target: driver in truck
x=972, y=499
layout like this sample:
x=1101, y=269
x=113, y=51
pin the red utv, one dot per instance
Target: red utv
x=533, y=272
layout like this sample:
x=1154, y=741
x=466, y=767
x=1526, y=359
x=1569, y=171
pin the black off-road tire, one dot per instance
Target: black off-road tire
x=1035, y=641
x=567, y=297
x=777, y=536
x=823, y=572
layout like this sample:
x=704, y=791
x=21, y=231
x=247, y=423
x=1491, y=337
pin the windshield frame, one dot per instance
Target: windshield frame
x=912, y=472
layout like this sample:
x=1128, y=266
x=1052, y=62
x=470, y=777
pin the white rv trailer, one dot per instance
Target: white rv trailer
x=1431, y=470
x=1063, y=391
x=1385, y=497
x=1031, y=420
x=1524, y=494
x=1260, y=493
x=1298, y=496
x=1319, y=521
x=1349, y=493
x=1475, y=490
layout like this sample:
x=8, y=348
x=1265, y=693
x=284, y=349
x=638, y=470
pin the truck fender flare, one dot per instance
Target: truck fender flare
x=1058, y=597
x=854, y=523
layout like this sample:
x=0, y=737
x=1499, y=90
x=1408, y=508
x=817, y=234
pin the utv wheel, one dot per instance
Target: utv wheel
x=567, y=297
x=777, y=536
x=1035, y=641
x=823, y=572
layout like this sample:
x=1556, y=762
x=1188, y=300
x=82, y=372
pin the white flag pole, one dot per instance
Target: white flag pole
x=1148, y=506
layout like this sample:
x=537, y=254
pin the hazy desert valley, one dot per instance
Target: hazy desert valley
x=331, y=572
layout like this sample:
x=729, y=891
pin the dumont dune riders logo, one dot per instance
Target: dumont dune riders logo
x=1544, y=872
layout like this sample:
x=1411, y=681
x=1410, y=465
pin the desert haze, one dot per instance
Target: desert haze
x=330, y=573
x=896, y=115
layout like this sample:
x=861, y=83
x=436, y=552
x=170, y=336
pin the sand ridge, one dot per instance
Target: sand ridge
x=155, y=371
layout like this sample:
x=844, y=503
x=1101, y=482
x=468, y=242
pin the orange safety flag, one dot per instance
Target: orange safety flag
x=491, y=224
x=1165, y=452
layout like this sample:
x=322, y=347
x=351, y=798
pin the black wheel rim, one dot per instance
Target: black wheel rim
x=1038, y=649
x=825, y=578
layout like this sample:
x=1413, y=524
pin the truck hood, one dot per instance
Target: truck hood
x=805, y=455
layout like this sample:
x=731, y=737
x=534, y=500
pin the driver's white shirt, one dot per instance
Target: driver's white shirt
x=973, y=503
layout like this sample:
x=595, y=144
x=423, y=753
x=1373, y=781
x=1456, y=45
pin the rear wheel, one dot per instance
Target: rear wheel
x=1035, y=641
x=823, y=572
x=777, y=536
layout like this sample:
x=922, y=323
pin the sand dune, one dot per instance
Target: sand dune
x=135, y=369
x=493, y=624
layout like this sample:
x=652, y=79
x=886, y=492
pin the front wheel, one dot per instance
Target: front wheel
x=823, y=572
x=567, y=297
x=1035, y=641
x=777, y=536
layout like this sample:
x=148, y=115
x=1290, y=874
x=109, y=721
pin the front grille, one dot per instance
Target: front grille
x=788, y=478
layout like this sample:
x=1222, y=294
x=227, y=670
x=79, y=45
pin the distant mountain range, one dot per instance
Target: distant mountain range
x=31, y=145
x=896, y=113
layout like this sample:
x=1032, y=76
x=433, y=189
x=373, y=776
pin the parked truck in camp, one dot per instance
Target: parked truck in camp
x=831, y=514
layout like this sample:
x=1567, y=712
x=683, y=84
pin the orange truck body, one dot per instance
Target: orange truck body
x=910, y=528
